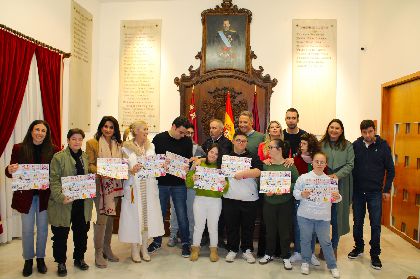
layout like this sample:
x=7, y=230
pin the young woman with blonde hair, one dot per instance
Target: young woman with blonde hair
x=274, y=131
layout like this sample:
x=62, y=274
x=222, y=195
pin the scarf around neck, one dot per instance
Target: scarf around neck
x=110, y=188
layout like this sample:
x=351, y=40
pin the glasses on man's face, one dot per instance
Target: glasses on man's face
x=272, y=147
x=319, y=162
x=240, y=141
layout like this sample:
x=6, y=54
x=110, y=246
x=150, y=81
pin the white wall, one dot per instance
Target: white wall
x=271, y=39
x=386, y=28
x=389, y=32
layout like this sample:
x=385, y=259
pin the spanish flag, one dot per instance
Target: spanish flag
x=229, y=129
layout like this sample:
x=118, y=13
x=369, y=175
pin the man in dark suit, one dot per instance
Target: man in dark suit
x=216, y=136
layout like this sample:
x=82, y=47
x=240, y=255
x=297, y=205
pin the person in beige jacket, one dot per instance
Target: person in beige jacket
x=105, y=144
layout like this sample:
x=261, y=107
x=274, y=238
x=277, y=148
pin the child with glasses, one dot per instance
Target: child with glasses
x=240, y=203
x=314, y=213
x=308, y=146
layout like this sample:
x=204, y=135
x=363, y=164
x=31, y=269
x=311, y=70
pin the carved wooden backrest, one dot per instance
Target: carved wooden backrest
x=240, y=79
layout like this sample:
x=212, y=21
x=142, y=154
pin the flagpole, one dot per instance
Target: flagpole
x=192, y=115
x=256, y=124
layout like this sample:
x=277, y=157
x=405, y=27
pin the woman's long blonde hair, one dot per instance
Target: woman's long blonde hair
x=268, y=136
x=131, y=130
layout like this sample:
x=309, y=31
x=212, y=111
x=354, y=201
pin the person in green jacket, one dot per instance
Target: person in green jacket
x=340, y=164
x=62, y=210
x=278, y=208
x=207, y=207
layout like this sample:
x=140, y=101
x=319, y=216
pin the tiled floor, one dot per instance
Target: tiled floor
x=399, y=258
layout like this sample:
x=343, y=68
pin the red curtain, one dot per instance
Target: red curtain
x=49, y=71
x=15, y=61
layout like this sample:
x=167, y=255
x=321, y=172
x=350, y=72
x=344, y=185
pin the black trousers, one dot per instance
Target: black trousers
x=240, y=222
x=278, y=222
x=80, y=229
x=262, y=231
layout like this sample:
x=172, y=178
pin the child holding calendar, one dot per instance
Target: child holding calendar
x=314, y=213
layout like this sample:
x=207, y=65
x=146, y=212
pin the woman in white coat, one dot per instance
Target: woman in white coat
x=141, y=216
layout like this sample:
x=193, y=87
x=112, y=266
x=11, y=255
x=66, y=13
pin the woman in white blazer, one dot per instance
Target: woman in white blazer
x=141, y=216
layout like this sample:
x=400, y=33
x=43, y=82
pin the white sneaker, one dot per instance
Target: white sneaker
x=335, y=273
x=248, y=256
x=266, y=259
x=287, y=264
x=315, y=261
x=230, y=257
x=304, y=268
x=296, y=257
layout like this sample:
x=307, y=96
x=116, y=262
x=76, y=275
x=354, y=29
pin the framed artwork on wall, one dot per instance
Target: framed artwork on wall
x=226, y=42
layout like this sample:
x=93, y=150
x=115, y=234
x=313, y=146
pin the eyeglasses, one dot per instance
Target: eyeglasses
x=240, y=141
x=319, y=162
x=272, y=147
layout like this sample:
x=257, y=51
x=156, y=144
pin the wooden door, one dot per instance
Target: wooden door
x=401, y=129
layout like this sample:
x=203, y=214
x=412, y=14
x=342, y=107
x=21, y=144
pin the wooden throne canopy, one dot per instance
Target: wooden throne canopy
x=225, y=65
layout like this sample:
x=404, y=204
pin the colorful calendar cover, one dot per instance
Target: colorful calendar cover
x=209, y=179
x=152, y=166
x=177, y=165
x=233, y=164
x=30, y=177
x=79, y=187
x=276, y=182
x=321, y=189
x=113, y=167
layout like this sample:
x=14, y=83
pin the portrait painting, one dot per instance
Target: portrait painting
x=226, y=40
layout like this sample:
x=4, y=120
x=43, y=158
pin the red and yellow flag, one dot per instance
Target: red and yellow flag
x=229, y=129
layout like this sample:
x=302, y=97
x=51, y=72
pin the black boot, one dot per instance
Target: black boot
x=27, y=268
x=62, y=270
x=81, y=264
x=40, y=265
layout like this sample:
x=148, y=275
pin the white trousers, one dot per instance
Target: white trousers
x=206, y=209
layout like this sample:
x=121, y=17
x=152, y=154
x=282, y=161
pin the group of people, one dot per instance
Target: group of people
x=197, y=214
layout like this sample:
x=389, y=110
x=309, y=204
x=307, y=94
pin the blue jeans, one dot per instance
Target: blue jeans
x=179, y=198
x=334, y=224
x=296, y=231
x=190, y=213
x=28, y=223
x=374, y=206
x=322, y=230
